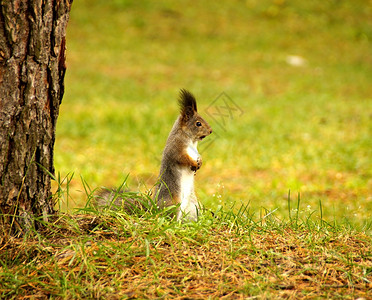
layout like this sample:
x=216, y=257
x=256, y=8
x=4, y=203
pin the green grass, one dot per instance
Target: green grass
x=147, y=255
x=287, y=184
x=305, y=128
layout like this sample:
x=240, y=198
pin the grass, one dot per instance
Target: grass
x=230, y=255
x=304, y=128
x=287, y=175
x=226, y=254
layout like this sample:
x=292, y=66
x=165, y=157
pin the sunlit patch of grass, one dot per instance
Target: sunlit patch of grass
x=305, y=128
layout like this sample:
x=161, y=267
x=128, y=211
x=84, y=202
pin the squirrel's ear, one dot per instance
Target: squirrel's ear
x=187, y=104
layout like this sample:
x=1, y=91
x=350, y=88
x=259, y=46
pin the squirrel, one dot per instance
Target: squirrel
x=180, y=161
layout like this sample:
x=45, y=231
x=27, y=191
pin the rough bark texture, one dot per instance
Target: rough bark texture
x=32, y=69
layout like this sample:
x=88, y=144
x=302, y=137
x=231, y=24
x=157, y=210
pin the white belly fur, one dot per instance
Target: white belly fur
x=189, y=204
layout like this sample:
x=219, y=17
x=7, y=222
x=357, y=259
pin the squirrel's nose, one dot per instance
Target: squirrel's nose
x=210, y=131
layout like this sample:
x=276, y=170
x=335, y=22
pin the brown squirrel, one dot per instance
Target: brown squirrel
x=179, y=164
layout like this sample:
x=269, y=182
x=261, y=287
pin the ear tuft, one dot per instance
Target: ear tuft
x=187, y=102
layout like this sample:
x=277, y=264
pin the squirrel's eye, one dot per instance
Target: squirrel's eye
x=198, y=124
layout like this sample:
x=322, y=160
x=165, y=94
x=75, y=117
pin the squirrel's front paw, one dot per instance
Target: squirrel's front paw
x=198, y=164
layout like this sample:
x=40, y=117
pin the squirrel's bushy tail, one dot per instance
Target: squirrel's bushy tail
x=113, y=199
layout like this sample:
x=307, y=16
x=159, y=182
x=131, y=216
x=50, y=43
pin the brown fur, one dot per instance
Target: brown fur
x=188, y=129
x=175, y=156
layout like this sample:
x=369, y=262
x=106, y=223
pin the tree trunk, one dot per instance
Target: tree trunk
x=32, y=69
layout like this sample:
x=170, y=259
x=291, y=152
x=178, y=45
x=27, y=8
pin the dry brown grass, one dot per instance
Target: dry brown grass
x=87, y=256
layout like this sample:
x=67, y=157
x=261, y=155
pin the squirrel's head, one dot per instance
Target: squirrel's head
x=191, y=122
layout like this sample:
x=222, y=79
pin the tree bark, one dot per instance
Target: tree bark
x=32, y=69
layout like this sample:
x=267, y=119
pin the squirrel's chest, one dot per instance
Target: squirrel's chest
x=187, y=175
x=192, y=151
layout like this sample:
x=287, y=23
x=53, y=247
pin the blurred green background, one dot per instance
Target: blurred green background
x=300, y=71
